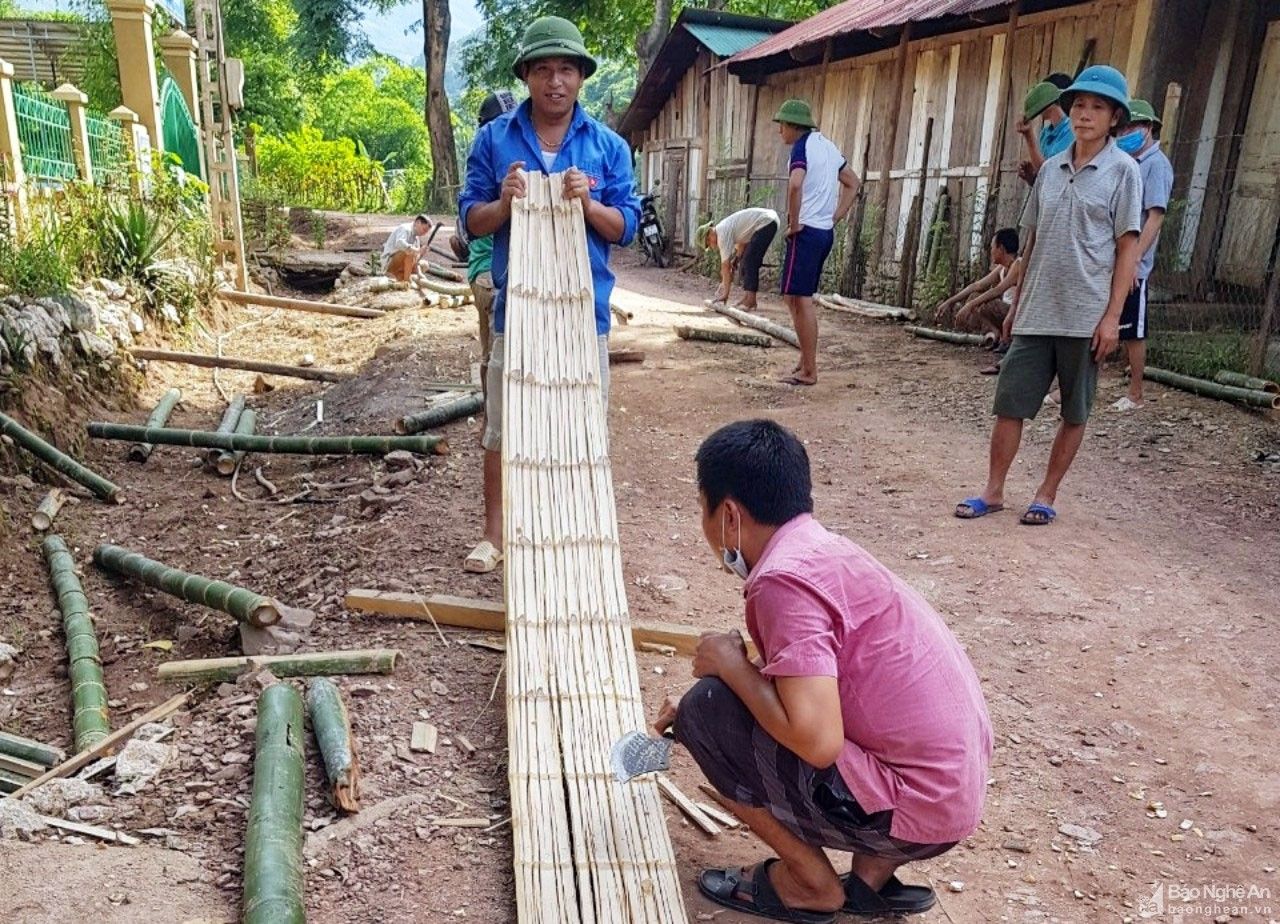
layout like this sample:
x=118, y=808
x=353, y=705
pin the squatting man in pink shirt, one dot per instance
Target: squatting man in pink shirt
x=861, y=727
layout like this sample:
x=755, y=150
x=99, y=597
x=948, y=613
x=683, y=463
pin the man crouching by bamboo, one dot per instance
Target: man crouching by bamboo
x=550, y=132
x=861, y=727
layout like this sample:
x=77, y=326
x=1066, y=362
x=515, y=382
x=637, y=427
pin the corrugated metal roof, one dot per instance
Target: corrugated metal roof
x=860, y=15
x=726, y=41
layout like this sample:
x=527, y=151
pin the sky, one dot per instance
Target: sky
x=396, y=32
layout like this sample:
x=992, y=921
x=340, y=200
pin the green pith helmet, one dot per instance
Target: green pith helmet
x=1039, y=98
x=1142, y=111
x=700, y=236
x=552, y=37
x=796, y=112
x=1100, y=80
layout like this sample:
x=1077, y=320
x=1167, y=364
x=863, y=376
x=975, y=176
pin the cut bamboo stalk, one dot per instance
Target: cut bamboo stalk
x=273, y=868
x=27, y=749
x=43, y=518
x=623, y=316
x=857, y=306
x=28, y=769
x=441, y=414
x=297, y=304
x=444, y=288
x=745, y=318
x=245, y=605
x=332, y=727
x=296, y=445
x=1207, y=389
x=84, y=758
x=58, y=460
x=245, y=365
x=687, y=805
x=1249, y=382
x=227, y=461
x=11, y=782
x=951, y=336
x=140, y=452
x=227, y=425
x=89, y=721
x=625, y=356
x=310, y=664
x=443, y=272
x=711, y=335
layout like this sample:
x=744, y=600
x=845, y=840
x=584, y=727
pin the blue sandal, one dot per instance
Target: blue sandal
x=1038, y=515
x=977, y=508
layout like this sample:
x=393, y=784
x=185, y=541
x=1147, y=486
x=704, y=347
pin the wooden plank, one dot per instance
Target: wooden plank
x=245, y=365
x=297, y=304
x=27, y=768
x=102, y=834
x=106, y=745
x=425, y=737
x=718, y=815
x=687, y=805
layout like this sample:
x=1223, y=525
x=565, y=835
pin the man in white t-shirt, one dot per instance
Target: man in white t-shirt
x=742, y=239
x=405, y=247
x=820, y=192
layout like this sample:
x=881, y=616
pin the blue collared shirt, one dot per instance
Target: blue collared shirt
x=1054, y=139
x=588, y=145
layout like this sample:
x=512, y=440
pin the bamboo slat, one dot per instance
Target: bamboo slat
x=587, y=848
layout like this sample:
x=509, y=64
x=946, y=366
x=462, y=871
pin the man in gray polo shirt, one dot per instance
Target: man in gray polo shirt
x=1081, y=226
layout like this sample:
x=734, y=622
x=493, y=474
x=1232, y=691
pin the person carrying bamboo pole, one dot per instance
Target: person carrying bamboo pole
x=552, y=133
x=862, y=726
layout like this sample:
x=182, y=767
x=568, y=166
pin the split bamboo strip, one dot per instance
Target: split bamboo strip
x=11, y=782
x=296, y=445
x=1207, y=389
x=227, y=461
x=586, y=848
x=273, y=870
x=27, y=749
x=140, y=452
x=950, y=336
x=711, y=335
x=84, y=662
x=310, y=664
x=786, y=335
x=244, y=605
x=441, y=414
x=43, y=518
x=332, y=727
x=28, y=769
x=244, y=365
x=297, y=304
x=58, y=460
x=1251, y=382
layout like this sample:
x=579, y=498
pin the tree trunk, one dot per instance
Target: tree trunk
x=649, y=41
x=444, y=153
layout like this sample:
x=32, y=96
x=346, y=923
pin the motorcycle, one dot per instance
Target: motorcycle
x=653, y=240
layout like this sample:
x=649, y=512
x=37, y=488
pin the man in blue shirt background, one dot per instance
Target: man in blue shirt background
x=548, y=132
x=1055, y=128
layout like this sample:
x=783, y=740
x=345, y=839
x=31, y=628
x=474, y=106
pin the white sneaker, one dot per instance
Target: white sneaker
x=1126, y=404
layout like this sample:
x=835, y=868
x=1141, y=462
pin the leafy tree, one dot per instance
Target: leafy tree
x=328, y=31
x=367, y=103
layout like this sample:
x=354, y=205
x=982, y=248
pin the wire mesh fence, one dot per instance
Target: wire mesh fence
x=44, y=133
x=108, y=150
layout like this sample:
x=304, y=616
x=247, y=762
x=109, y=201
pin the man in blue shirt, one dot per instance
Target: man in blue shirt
x=1055, y=129
x=548, y=132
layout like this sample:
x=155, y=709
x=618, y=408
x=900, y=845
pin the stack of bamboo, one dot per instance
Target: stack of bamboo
x=587, y=848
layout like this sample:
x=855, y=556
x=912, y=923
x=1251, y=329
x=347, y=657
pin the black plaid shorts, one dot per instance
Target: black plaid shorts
x=749, y=767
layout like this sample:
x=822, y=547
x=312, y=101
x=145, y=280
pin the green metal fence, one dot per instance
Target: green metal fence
x=178, y=128
x=44, y=133
x=108, y=150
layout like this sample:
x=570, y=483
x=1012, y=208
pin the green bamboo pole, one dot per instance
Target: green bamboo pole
x=11, y=782
x=441, y=414
x=140, y=452
x=1250, y=382
x=1207, y=389
x=227, y=461
x=435, y=269
x=441, y=287
x=88, y=693
x=27, y=749
x=311, y=664
x=227, y=425
x=273, y=870
x=297, y=445
x=711, y=335
x=244, y=605
x=58, y=460
x=950, y=336
x=332, y=727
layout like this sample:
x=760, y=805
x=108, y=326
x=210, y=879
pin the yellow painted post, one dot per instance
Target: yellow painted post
x=15, y=178
x=131, y=21
x=128, y=120
x=76, y=102
x=179, y=51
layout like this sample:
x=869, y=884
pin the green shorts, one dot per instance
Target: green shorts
x=1028, y=369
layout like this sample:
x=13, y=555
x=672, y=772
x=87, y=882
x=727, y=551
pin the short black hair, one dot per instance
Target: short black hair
x=761, y=465
x=1008, y=239
x=1059, y=80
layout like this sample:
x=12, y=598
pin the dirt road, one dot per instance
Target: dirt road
x=1128, y=652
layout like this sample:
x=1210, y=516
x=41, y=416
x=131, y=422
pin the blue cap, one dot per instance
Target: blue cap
x=1100, y=80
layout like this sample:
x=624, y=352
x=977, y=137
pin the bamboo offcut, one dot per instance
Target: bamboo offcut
x=27, y=749
x=950, y=336
x=273, y=865
x=295, y=445
x=1251, y=382
x=244, y=605
x=586, y=849
x=332, y=727
x=747, y=319
x=43, y=518
x=58, y=460
x=311, y=664
x=1207, y=389
x=88, y=692
x=711, y=335
x=140, y=452
x=226, y=462
x=441, y=414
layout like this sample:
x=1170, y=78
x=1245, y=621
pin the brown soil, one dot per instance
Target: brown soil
x=1127, y=652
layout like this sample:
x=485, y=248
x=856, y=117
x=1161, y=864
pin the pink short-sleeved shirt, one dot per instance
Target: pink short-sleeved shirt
x=917, y=736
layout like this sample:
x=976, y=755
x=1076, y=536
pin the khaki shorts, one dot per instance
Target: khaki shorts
x=492, y=438
x=483, y=293
x=1027, y=372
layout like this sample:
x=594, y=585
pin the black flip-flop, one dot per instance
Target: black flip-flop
x=896, y=897
x=727, y=887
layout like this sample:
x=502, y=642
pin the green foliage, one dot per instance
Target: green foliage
x=303, y=168
x=380, y=104
x=34, y=264
x=328, y=31
x=133, y=237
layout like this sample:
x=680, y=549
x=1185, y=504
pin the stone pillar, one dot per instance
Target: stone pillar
x=179, y=52
x=139, y=154
x=131, y=20
x=76, y=102
x=15, y=178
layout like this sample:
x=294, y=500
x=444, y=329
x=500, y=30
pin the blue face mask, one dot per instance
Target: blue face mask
x=1132, y=142
x=733, y=561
